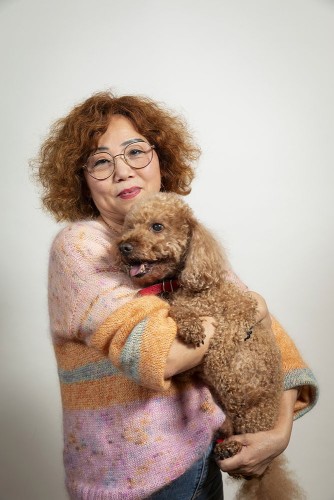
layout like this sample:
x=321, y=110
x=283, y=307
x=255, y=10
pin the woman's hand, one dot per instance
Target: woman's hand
x=260, y=448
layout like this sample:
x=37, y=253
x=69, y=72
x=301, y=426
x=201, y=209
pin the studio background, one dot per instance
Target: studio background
x=255, y=80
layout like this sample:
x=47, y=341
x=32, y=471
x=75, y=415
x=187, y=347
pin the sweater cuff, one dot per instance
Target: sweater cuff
x=308, y=389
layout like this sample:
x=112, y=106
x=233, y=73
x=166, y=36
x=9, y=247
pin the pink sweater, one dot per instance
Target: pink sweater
x=127, y=431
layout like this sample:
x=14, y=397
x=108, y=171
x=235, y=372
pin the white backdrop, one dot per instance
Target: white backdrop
x=255, y=79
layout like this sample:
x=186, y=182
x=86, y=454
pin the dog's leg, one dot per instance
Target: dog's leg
x=228, y=449
x=189, y=325
x=225, y=449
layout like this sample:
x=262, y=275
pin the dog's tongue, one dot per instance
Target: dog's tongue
x=137, y=269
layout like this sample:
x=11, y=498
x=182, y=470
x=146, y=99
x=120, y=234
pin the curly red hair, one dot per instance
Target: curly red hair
x=72, y=138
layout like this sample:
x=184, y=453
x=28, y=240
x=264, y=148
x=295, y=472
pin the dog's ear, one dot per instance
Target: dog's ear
x=205, y=260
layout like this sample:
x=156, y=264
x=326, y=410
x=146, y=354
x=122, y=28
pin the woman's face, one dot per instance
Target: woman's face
x=114, y=196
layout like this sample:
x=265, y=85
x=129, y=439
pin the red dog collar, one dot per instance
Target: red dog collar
x=164, y=286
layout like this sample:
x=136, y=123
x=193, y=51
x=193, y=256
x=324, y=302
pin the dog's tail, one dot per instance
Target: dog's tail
x=277, y=483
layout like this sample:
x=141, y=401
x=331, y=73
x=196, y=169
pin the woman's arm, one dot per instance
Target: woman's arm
x=260, y=448
x=145, y=322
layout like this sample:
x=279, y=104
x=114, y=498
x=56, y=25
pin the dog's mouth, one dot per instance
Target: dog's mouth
x=139, y=269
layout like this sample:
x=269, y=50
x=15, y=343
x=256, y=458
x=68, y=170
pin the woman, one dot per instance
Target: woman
x=131, y=429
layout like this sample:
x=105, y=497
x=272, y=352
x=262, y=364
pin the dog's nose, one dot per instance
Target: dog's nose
x=125, y=248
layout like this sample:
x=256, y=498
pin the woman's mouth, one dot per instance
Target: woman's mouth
x=127, y=194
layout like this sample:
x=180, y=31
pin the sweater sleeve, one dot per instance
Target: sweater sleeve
x=93, y=303
x=297, y=374
x=137, y=338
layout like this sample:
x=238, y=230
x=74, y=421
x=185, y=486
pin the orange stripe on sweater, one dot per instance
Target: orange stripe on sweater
x=72, y=355
x=109, y=391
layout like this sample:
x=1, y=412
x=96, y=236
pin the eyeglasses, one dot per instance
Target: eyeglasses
x=101, y=165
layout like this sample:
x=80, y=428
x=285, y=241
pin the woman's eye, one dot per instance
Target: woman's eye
x=99, y=161
x=102, y=162
x=134, y=152
x=157, y=227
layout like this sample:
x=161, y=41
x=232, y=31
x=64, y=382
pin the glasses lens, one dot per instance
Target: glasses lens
x=100, y=165
x=138, y=154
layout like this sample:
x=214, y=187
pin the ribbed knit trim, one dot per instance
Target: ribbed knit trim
x=306, y=381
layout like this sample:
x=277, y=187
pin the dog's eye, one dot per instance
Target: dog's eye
x=157, y=227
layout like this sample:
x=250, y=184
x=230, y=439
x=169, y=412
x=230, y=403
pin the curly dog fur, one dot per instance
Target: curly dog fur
x=162, y=239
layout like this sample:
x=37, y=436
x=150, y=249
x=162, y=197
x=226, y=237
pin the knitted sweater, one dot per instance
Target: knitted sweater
x=127, y=430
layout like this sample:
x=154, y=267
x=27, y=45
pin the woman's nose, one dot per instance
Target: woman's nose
x=122, y=169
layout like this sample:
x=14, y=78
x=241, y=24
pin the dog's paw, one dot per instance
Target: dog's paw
x=228, y=449
x=191, y=332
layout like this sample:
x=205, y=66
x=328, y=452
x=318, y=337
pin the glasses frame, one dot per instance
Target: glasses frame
x=152, y=147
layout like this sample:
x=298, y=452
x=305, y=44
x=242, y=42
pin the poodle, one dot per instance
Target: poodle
x=162, y=240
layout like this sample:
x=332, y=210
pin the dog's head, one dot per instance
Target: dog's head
x=162, y=239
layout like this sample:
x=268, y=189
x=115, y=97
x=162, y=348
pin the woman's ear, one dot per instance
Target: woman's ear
x=205, y=260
